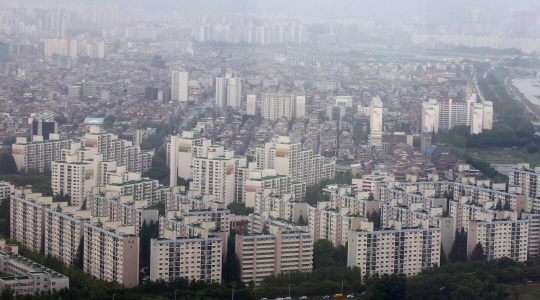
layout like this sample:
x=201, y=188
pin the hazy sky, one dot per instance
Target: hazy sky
x=425, y=11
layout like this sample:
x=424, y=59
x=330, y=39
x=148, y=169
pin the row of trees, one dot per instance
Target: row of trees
x=481, y=165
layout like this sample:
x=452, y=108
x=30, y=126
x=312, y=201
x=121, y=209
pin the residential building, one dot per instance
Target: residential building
x=28, y=277
x=192, y=258
x=228, y=91
x=394, y=251
x=275, y=106
x=38, y=154
x=179, y=85
x=111, y=256
x=500, y=238
x=261, y=255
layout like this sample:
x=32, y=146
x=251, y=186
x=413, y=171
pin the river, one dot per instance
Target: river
x=525, y=86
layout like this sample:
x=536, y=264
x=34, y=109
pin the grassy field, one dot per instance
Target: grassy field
x=506, y=155
x=525, y=292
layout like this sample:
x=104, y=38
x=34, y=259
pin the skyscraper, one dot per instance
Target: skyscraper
x=179, y=86
x=251, y=108
x=375, y=120
x=228, y=91
x=4, y=52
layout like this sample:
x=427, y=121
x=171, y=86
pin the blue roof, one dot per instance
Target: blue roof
x=430, y=150
x=94, y=120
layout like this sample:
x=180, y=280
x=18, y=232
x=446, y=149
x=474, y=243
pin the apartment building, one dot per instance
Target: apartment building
x=261, y=255
x=525, y=178
x=228, y=91
x=120, y=151
x=144, y=189
x=285, y=208
x=500, y=238
x=376, y=115
x=28, y=277
x=72, y=178
x=183, y=202
x=27, y=222
x=38, y=154
x=63, y=235
x=180, y=154
x=179, y=85
x=215, y=174
x=191, y=258
x=6, y=189
x=259, y=182
x=275, y=106
x=481, y=193
x=289, y=159
x=357, y=206
x=404, y=251
x=332, y=224
x=111, y=256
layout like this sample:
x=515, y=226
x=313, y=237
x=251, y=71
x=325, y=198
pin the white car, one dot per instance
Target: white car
x=303, y=297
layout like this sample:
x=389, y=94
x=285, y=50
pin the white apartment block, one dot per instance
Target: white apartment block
x=183, y=202
x=525, y=178
x=283, y=208
x=376, y=116
x=264, y=255
x=190, y=258
x=332, y=224
x=260, y=181
x=111, y=256
x=269, y=222
x=289, y=159
x=251, y=107
x=38, y=154
x=356, y=206
x=28, y=277
x=179, y=85
x=73, y=178
x=63, y=234
x=228, y=91
x=120, y=151
x=500, y=238
x=275, y=106
x=6, y=189
x=121, y=210
x=27, y=222
x=180, y=154
x=481, y=195
x=401, y=251
x=215, y=174
x=145, y=190
x=446, y=115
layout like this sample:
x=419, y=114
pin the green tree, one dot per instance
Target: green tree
x=7, y=164
x=108, y=122
x=79, y=258
x=387, y=287
x=444, y=259
x=301, y=220
x=240, y=209
x=499, y=205
x=532, y=148
x=506, y=205
x=5, y=217
x=478, y=252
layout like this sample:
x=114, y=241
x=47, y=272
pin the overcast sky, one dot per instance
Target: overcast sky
x=425, y=11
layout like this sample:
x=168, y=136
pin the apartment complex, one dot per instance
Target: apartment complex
x=63, y=235
x=38, y=154
x=275, y=106
x=111, y=255
x=446, y=115
x=261, y=255
x=120, y=151
x=26, y=221
x=289, y=158
x=500, y=238
x=72, y=178
x=215, y=174
x=190, y=258
x=526, y=179
x=396, y=251
x=228, y=91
